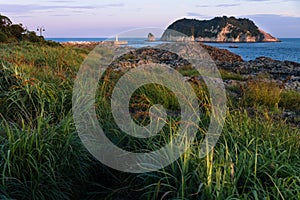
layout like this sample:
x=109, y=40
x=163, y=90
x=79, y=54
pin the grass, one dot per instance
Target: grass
x=45, y=162
x=42, y=157
x=290, y=100
x=227, y=75
x=263, y=93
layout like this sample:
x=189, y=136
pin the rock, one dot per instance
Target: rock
x=291, y=117
x=146, y=55
x=221, y=55
x=284, y=73
x=268, y=37
x=151, y=37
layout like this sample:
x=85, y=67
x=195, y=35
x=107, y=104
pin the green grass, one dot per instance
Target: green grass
x=42, y=157
x=45, y=162
x=227, y=75
x=290, y=100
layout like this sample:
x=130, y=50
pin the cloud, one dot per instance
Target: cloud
x=60, y=15
x=27, y=8
x=228, y=5
x=275, y=17
x=219, y=5
x=23, y=16
x=193, y=14
x=15, y=8
x=271, y=0
x=112, y=5
x=258, y=0
x=203, y=6
x=62, y=1
x=278, y=25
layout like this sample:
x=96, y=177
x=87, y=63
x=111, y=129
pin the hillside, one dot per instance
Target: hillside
x=219, y=29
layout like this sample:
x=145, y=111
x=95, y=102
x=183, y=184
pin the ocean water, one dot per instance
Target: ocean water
x=288, y=49
x=134, y=42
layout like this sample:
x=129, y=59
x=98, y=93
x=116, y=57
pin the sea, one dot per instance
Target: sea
x=287, y=49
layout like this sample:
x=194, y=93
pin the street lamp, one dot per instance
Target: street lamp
x=41, y=29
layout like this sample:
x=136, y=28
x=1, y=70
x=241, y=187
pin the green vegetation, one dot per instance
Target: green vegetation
x=42, y=157
x=12, y=33
x=263, y=93
x=290, y=100
x=206, y=28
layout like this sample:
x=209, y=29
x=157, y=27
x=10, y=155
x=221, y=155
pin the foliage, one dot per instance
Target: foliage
x=11, y=33
x=290, y=100
x=264, y=93
x=3, y=37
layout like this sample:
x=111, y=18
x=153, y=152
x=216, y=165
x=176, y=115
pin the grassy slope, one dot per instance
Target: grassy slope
x=257, y=156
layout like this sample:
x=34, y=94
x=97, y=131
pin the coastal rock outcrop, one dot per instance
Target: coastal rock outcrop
x=285, y=73
x=219, y=29
x=151, y=37
x=155, y=55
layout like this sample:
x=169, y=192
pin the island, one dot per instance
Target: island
x=218, y=29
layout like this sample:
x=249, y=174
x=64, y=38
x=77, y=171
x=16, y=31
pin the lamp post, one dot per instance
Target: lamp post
x=41, y=29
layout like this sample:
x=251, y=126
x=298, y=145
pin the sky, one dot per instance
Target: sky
x=95, y=18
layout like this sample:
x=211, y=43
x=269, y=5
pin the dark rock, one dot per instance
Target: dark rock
x=151, y=37
x=284, y=73
x=221, y=55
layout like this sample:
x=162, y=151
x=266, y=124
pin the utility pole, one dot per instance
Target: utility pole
x=41, y=29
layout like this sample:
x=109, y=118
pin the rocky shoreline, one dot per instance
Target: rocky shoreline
x=284, y=74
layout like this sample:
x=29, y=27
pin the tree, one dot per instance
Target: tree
x=3, y=37
x=10, y=32
x=17, y=31
x=4, y=21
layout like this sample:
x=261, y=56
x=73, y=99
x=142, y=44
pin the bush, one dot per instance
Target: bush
x=3, y=37
x=263, y=93
x=290, y=100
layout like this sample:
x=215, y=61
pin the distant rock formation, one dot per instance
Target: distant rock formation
x=151, y=37
x=268, y=37
x=219, y=29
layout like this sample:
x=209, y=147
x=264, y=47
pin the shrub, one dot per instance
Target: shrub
x=3, y=37
x=290, y=100
x=264, y=93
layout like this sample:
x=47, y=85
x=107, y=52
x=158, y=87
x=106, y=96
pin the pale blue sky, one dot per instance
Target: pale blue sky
x=92, y=18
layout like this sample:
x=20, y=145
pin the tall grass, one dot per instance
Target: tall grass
x=256, y=157
x=46, y=162
x=253, y=159
x=41, y=154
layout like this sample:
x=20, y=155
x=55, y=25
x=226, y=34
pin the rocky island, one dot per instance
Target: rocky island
x=218, y=29
x=151, y=37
